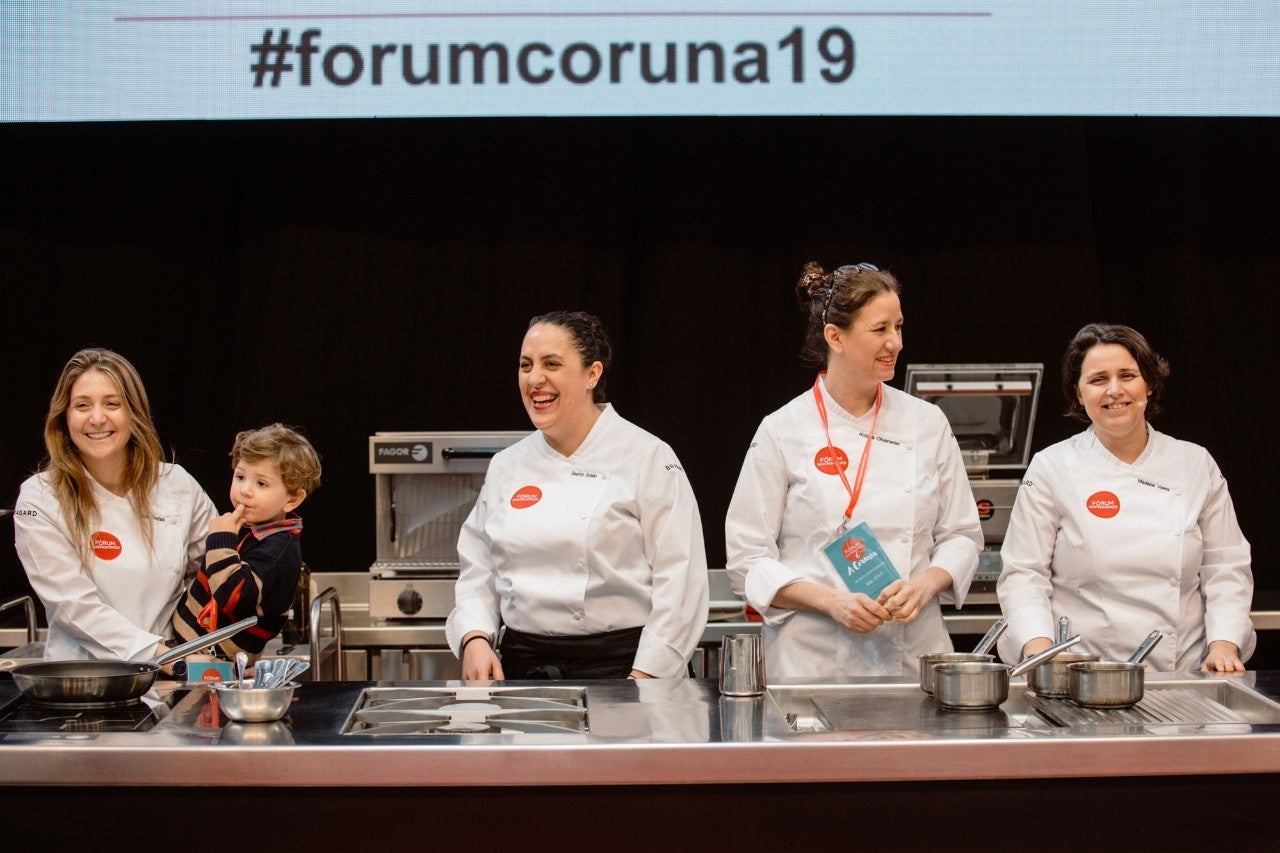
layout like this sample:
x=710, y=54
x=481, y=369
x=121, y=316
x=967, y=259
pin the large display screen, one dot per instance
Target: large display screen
x=104, y=61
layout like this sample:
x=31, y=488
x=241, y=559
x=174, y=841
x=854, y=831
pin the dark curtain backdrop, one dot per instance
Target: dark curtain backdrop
x=356, y=276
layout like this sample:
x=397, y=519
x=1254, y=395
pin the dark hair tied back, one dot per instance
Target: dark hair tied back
x=589, y=338
x=814, y=284
x=836, y=298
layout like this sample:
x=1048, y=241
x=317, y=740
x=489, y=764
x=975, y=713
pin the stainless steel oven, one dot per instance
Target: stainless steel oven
x=992, y=411
x=425, y=485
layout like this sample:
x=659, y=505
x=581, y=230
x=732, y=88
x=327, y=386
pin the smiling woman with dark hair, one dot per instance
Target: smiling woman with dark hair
x=584, y=550
x=1123, y=529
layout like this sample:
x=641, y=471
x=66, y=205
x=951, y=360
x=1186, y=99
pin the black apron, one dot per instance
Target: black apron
x=532, y=656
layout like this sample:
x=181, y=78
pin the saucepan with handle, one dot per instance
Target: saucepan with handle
x=1112, y=683
x=1053, y=678
x=978, y=655
x=977, y=686
x=106, y=683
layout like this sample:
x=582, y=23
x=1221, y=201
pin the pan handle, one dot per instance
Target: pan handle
x=989, y=640
x=1048, y=654
x=1141, y=652
x=205, y=641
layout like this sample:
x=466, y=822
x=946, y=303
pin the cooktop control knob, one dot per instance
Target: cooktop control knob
x=409, y=601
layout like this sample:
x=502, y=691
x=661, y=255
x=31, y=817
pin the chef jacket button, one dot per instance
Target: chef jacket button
x=578, y=616
x=584, y=515
x=1178, y=492
x=909, y=446
x=908, y=489
x=904, y=539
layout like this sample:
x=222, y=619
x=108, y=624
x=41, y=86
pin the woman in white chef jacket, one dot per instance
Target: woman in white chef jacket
x=107, y=532
x=847, y=451
x=585, y=545
x=1123, y=529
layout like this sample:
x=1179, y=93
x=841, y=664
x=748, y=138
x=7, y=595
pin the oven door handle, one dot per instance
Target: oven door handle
x=469, y=452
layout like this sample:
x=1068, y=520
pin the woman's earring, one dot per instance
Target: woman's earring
x=590, y=385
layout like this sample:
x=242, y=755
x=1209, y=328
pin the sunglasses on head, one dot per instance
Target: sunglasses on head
x=845, y=271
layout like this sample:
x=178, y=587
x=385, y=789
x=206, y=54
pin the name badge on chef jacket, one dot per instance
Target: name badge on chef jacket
x=861, y=561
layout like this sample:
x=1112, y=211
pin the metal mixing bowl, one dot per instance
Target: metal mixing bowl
x=248, y=704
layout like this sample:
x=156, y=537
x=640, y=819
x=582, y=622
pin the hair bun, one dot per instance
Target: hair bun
x=813, y=278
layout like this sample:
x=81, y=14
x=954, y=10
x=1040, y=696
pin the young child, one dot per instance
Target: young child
x=253, y=556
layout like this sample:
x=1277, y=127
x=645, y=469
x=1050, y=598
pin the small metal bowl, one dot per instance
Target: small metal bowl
x=248, y=704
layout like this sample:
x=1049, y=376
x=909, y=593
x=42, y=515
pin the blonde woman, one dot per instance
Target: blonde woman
x=107, y=532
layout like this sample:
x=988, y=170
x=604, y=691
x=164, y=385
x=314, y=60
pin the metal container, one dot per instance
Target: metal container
x=1054, y=678
x=1107, y=683
x=1112, y=683
x=742, y=665
x=969, y=686
x=979, y=654
x=245, y=703
x=928, y=662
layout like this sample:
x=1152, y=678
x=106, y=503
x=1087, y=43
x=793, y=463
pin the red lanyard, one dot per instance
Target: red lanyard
x=856, y=489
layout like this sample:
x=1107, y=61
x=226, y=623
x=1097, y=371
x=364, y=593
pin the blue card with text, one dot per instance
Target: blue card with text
x=861, y=561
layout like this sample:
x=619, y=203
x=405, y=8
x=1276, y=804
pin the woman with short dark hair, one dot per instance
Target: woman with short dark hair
x=1123, y=529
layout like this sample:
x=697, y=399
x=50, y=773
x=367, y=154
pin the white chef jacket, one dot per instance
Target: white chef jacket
x=915, y=496
x=1122, y=550
x=605, y=539
x=118, y=605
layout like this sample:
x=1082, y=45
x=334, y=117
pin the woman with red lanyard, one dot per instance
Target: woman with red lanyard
x=852, y=514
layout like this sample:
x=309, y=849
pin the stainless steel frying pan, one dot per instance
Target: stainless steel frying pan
x=106, y=683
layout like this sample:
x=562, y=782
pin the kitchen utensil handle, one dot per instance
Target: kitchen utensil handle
x=29, y=606
x=1064, y=628
x=209, y=639
x=1140, y=653
x=989, y=639
x=1037, y=659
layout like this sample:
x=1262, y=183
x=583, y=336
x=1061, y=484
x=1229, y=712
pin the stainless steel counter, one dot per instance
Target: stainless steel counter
x=641, y=733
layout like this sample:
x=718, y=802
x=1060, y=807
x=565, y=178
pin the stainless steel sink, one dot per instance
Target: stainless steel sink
x=877, y=708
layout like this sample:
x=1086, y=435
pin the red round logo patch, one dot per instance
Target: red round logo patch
x=986, y=509
x=831, y=460
x=525, y=497
x=1103, y=504
x=105, y=545
x=854, y=549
